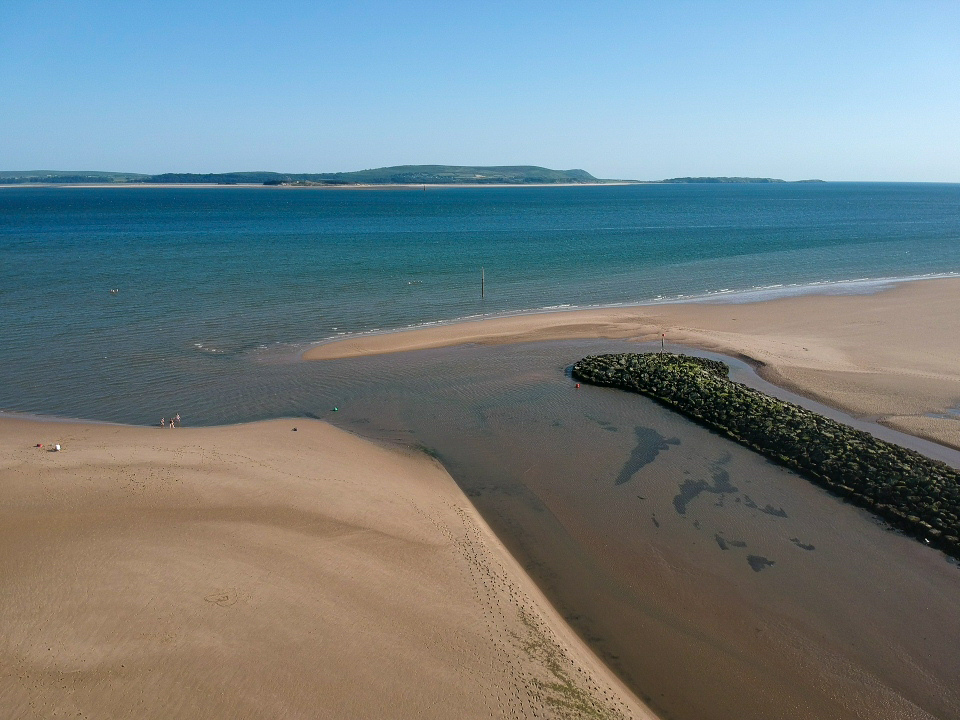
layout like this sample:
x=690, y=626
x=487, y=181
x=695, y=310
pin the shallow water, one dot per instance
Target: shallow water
x=715, y=583
x=214, y=282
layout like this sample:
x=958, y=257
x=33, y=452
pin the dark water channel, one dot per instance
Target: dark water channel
x=716, y=584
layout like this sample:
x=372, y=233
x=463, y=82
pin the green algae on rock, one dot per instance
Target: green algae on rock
x=916, y=494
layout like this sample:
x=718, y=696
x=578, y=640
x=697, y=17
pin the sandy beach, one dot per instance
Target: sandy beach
x=889, y=356
x=254, y=570
x=258, y=571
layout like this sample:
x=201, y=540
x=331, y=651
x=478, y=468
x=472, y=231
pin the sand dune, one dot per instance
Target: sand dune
x=253, y=571
x=890, y=356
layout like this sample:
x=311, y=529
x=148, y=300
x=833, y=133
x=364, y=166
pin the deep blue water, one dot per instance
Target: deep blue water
x=217, y=284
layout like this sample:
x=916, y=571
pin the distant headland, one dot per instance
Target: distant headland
x=732, y=180
x=395, y=175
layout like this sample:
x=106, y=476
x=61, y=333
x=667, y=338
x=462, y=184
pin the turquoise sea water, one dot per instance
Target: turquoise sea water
x=217, y=285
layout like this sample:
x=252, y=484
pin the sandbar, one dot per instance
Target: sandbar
x=261, y=571
x=891, y=356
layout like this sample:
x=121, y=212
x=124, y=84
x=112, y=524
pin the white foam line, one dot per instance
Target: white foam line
x=754, y=294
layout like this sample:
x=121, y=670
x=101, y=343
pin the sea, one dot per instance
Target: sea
x=119, y=304
x=713, y=582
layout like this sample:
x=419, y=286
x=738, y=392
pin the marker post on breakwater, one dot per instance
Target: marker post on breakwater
x=481, y=283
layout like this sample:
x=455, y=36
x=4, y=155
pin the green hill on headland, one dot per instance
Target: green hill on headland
x=396, y=175
x=68, y=176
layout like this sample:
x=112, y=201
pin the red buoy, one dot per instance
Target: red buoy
x=578, y=384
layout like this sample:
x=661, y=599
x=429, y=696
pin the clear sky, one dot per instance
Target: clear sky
x=852, y=90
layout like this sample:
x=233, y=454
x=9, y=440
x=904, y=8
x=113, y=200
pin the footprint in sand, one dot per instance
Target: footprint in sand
x=223, y=598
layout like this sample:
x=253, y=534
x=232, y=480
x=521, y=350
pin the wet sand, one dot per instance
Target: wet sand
x=889, y=356
x=716, y=584
x=254, y=571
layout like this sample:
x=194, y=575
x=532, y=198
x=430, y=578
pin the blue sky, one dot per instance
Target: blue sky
x=644, y=90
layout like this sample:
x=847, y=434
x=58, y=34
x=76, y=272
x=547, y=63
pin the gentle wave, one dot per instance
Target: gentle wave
x=857, y=286
x=220, y=290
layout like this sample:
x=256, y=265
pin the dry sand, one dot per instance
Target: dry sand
x=893, y=356
x=253, y=571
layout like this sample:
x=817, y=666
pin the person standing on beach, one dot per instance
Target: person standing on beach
x=177, y=418
x=163, y=422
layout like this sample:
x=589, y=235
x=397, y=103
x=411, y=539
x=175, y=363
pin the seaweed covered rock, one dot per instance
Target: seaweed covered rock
x=914, y=493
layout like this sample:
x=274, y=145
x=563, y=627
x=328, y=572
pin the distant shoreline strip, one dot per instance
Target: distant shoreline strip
x=858, y=286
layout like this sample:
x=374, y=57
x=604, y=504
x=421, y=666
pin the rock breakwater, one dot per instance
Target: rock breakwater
x=914, y=493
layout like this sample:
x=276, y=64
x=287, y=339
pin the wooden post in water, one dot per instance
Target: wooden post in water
x=481, y=283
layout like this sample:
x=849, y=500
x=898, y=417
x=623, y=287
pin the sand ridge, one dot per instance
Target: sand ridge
x=889, y=356
x=254, y=571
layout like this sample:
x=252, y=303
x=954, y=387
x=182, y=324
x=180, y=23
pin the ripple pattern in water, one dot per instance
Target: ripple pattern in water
x=213, y=283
